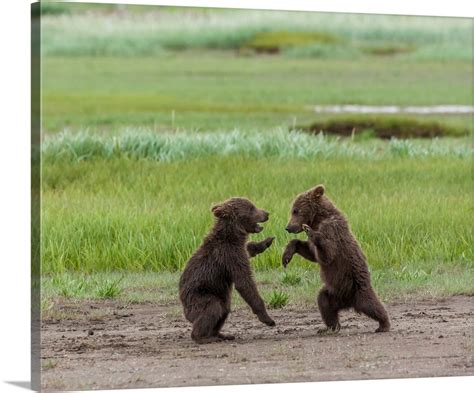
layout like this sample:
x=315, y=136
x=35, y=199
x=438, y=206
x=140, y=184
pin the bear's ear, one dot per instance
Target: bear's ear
x=317, y=192
x=221, y=210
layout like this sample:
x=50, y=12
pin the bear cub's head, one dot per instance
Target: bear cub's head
x=305, y=209
x=242, y=213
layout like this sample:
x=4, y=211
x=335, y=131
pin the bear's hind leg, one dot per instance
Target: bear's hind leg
x=367, y=303
x=218, y=327
x=206, y=327
x=329, y=309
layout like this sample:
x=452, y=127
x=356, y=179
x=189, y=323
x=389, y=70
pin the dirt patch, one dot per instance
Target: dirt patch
x=272, y=42
x=388, y=49
x=384, y=127
x=148, y=345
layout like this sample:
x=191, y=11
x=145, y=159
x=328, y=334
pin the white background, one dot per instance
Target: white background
x=15, y=193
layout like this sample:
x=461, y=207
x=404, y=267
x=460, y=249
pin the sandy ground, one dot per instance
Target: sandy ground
x=108, y=345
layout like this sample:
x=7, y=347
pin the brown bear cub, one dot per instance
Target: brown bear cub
x=223, y=260
x=344, y=269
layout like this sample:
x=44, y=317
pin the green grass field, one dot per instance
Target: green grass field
x=168, y=68
x=215, y=91
x=145, y=128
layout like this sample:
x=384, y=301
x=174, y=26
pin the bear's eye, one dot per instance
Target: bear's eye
x=295, y=211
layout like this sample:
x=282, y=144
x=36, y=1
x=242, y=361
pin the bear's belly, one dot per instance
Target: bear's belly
x=338, y=281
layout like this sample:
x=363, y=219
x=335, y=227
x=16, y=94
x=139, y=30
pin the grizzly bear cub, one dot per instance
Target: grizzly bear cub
x=221, y=261
x=344, y=269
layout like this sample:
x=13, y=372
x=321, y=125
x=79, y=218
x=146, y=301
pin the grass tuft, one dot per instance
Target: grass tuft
x=291, y=278
x=73, y=286
x=69, y=287
x=278, y=299
x=49, y=364
x=109, y=289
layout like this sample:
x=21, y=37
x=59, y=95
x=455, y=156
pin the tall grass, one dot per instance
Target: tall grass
x=121, y=213
x=130, y=33
x=168, y=147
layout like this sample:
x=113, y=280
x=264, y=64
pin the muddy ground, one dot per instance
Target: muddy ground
x=108, y=345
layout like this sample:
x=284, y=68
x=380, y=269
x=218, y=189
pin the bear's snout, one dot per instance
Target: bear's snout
x=292, y=228
x=262, y=215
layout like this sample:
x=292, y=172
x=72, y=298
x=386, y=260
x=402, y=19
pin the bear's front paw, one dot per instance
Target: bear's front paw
x=265, y=318
x=383, y=328
x=268, y=242
x=270, y=322
x=287, y=255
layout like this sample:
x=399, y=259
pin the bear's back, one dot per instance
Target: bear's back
x=207, y=272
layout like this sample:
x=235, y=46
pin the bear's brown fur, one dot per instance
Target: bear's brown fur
x=220, y=262
x=344, y=269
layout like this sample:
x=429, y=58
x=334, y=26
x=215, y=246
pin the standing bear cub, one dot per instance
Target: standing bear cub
x=344, y=269
x=223, y=260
